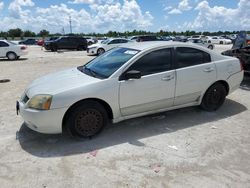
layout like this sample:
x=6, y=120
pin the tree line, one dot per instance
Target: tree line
x=19, y=33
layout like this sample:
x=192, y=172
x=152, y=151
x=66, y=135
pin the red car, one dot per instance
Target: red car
x=40, y=42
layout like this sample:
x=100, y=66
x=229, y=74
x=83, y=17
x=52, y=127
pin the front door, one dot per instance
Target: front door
x=154, y=90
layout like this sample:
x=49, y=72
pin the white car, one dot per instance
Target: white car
x=218, y=40
x=134, y=80
x=201, y=43
x=11, y=50
x=100, y=48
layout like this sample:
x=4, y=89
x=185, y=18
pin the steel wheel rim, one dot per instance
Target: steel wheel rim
x=88, y=122
x=11, y=56
x=216, y=96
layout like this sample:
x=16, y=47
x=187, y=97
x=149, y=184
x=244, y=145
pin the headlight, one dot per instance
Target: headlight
x=40, y=102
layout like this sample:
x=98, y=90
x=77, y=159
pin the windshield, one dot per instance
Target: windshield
x=105, y=65
x=106, y=41
x=12, y=42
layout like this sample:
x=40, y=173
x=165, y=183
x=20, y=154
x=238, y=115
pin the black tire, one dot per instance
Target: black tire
x=100, y=51
x=11, y=55
x=54, y=48
x=80, y=48
x=211, y=47
x=214, y=97
x=86, y=119
x=18, y=57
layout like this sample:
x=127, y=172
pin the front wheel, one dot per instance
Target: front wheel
x=86, y=119
x=214, y=97
x=100, y=51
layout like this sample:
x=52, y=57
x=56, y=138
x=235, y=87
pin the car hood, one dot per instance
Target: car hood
x=59, y=82
x=95, y=45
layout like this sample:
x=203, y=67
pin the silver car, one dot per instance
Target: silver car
x=134, y=80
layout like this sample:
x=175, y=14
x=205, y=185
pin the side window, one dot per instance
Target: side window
x=154, y=62
x=114, y=41
x=63, y=40
x=189, y=57
x=3, y=44
x=123, y=41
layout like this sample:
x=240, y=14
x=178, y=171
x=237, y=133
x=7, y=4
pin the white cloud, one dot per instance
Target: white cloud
x=182, y=6
x=175, y=11
x=82, y=2
x=221, y=18
x=102, y=17
x=15, y=8
x=1, y=5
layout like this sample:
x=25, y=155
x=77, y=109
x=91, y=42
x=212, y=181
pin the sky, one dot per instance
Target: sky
x=101, y=16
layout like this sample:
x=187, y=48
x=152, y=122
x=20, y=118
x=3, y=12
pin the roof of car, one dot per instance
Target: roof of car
x=153, y=44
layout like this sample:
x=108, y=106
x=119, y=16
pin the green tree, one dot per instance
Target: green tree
x=15, y=32
x=43, y=33
x=28, y=33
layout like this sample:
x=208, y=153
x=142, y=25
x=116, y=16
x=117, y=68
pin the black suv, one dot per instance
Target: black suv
x=143, y=38
x=71, y=43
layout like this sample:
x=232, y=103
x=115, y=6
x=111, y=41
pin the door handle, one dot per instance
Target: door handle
x=209, y=69
x=168, y=78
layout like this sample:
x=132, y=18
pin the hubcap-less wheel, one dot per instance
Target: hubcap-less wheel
x=214, y=97
x=100, y=51
x=210, y=47
x=11, y=56
x=86, y=119
x=88, y=122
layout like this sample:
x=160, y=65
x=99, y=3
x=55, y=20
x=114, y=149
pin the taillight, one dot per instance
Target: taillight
x=23, y=47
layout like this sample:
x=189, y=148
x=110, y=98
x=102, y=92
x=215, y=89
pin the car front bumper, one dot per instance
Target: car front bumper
x=91, y=51
x=43, y=121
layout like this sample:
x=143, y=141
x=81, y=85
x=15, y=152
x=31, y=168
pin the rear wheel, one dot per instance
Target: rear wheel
x=86, y=119
x=11, y=56
x=214, y=97
x=100, y=51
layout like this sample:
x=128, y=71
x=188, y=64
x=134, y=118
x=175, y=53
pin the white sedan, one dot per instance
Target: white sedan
x=100, y=48
x=11, y=50
x=127, y=82
x=218, y=40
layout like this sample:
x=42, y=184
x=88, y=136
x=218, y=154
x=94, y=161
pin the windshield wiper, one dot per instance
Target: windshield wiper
x=93, y=73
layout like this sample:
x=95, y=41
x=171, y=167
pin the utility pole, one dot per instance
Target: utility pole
x=70, y=24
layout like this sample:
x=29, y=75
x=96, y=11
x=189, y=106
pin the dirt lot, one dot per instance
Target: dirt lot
x=181, y=148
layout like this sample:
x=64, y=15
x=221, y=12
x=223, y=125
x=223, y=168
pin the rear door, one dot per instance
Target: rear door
x=112, y=44
x=194, y=74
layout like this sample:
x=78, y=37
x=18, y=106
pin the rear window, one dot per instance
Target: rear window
x=190, y=56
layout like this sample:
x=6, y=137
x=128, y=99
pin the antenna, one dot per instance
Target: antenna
x=70, y=24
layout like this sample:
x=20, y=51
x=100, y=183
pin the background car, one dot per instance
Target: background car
x=144, y=38
x=40, y=42
x=241, y=50
x=218, y=40
x=11, y=50
x=70, y=43
x=28, y=42
x=133, y=80
x=201, y=43
x=100, y=48
x=181, y=38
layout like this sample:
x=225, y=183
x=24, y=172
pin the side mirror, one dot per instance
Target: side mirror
x=133, y=74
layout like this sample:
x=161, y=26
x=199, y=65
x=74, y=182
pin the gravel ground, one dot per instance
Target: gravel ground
x=180, y=148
